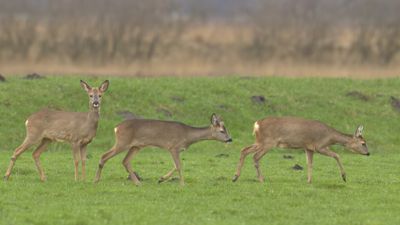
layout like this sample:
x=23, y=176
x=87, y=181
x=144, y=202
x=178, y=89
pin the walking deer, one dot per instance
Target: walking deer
x=297, y=133
x=77, y=128
x=135, y=134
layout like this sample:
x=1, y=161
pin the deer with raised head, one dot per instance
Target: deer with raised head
x=77, y=128
x=297, y=133
x=135, y=134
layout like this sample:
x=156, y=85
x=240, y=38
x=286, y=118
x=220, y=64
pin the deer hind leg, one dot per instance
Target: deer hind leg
x=105, y=157
x=327, y=152
x=167, y=175
x=127, y=164
x=245, y=151
x=18, y=151
x=256, y=158
x=36, y=156
x=309, y=157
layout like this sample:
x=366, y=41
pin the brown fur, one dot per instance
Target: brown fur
x=77, y=128
x=297, y=133
x=135, y=134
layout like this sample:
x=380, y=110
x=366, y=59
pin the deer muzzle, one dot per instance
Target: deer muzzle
x=96, y=104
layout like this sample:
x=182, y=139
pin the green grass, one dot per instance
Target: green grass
x=370, y=196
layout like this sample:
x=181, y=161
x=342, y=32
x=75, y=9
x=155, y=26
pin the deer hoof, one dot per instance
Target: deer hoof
x=5, y=178
x=161, y=180
x=235, y=178
x=344, y=177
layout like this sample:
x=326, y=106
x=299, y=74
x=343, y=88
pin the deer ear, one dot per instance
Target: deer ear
x=359, y=130
x=103, y=87
x=85, y=86
x=214, y=120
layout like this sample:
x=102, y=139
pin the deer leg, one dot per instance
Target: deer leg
x=245, y=151
x=83, y=160
x=137, y=176
x=18, y=151
x=256, y=159
x=327, y=152
x=167, y=176
x=309, y=156
x=104, y=158
x=177, y=161
x=76, y=154
x=36, y=156
x=127, y=164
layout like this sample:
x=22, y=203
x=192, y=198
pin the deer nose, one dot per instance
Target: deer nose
x=367, y=154
x=229, y=140
x=96, y=104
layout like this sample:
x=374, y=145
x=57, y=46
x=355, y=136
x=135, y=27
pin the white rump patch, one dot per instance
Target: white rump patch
x=115, y=130
x=26, y=122
x=256, y=127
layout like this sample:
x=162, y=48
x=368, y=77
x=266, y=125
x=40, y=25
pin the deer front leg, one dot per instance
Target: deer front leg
x=309, y=157
x=83, y=160
x=327, y=152
x=127, y=164
x=36, y=156
x=76, y=154
x=177, y=161
x=104, y=158
x=244, y=152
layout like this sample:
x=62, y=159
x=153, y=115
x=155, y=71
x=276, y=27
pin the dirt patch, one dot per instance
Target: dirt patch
x=288, y=157
x=223, y=107
x=178, y=99
x=258, y=99
x=222, y=155
x=297, y=167
x=358, y=95
x=395, y=102
x=33, y=76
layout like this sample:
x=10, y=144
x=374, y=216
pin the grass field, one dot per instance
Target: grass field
x=370, y=196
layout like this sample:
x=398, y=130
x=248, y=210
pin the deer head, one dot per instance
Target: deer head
x=358, y=144
x=218, y=130
x=95, y=93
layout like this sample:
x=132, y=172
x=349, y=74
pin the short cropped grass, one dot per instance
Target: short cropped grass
x=370, y=196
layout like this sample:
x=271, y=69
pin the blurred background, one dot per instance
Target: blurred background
x=351, y=38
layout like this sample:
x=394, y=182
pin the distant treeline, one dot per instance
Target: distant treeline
x=188, y=32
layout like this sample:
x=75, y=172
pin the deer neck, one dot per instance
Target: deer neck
x=93, y=115
x=340, y=138
x=196, y=134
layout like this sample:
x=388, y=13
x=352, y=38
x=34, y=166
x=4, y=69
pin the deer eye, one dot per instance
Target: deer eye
x=364, y=144
x=91, y=96
x=99, y=96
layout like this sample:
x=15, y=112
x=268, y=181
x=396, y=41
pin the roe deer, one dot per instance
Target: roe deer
x=135, y=134
x=77, y=128
x=310, y=135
